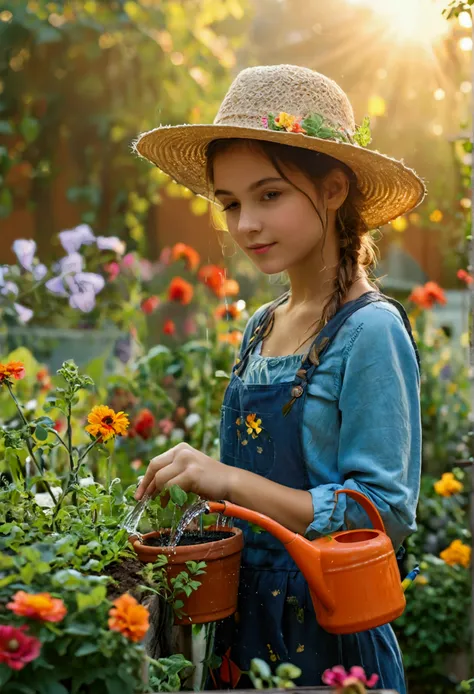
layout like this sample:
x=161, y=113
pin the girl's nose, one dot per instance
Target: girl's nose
x=248, y=222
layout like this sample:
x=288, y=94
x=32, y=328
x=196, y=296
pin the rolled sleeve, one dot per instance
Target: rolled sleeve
x=379, y=452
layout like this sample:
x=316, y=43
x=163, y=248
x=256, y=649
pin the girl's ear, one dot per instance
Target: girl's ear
x=336, y=189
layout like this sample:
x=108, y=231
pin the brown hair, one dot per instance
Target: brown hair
x=357, y=247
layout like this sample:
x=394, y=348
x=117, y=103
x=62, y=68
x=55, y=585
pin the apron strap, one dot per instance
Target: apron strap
x=324, y=338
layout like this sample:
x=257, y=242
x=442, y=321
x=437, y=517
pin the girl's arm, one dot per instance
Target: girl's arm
x=196, y=472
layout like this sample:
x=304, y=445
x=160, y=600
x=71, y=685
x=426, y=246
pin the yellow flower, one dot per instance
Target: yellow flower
x=436, y=216
x=452, y=388
x=421, y=580
x=448, y=485
x=253, y=425
x=284, y=120
x=105, y=423
x=457, y=553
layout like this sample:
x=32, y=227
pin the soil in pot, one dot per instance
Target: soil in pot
x=125, y=574
x=191, y=537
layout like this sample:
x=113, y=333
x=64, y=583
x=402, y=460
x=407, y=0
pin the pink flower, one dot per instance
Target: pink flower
x=113, y=270
x=189, y=327
x=136, y=464
x=16, y=648
x=166, y=426
x=265, y=122
x=128, y=260
x=338, y=677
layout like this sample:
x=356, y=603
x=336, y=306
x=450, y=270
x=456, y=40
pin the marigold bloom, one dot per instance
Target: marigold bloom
x=457, y=553
x=12, y=370
x=253, y=424
x=186, y=253
x=228, y=288
x=144, y=423
x=428, y=295
x=105, y=423
x=448, y=485
x=284, y=120
x=213, y=277
x=16, y=648
x=180, y=290
x=38, y=606
x=129, y=618
x=233, y=338
x=169, y=327
x=230, y=312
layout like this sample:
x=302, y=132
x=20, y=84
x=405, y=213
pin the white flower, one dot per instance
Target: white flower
x=24, y=313
x=177, y=435
x=111, y=243
x=191, y=420
x=31, y=405
x=86, y=482
x=72, y=239
x=44, y=499
x=25, y=250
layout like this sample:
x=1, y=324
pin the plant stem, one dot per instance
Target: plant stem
x=53, y=431
x=28, y=441
x=69, y=436
x=210, y=630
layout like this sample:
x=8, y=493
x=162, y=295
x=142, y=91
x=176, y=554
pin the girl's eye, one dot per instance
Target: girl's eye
x=272, y=195
x=230, y=206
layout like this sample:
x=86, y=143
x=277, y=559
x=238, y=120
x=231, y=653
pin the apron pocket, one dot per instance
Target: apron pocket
x=246, y=439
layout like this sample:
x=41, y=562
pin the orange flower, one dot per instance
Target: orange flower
x=213, y=277
x=233, y=338
x=230, y=312
x=129, y=618
x=427, y=295
x=105, y=423
x=228, y=288
x=465, y=276
x=44, y=379
x=188, y=254
x=296, y=128
x=14, y=369
x=38, y=606
x=180, y=290
x=457, y=553
x=149, y=305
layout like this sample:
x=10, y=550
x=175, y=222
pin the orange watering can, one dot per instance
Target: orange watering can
x=352, y=575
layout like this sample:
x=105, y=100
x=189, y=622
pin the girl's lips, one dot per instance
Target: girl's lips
x=261, y=249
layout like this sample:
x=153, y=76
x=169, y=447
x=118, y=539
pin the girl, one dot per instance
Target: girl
x=326, y=392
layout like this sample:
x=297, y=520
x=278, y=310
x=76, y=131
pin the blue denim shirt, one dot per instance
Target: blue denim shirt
x=361, y=425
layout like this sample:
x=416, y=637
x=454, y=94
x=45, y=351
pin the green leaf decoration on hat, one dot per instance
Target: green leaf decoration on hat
x=362, y=135
x=315, y=125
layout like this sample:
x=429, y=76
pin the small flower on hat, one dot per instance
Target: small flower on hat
x=315, y=125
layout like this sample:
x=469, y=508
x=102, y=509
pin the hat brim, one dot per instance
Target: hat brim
x=388, y=187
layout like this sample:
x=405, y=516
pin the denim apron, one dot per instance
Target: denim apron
x=261, y=431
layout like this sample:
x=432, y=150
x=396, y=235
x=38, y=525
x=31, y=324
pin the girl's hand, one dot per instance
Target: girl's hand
x=192, y=470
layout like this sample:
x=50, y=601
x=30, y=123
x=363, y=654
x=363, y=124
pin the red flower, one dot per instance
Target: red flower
x=213, y=277
x=427, y=295
x=144, y=423
x=296, y=128
x=180, y=290
x=59, y=426
x=38, y=606
x=465, y=276
x=14, y=369
x=186, y=253
x=16, y=648
x=44, y=379
x=149, y=305
x=229, y=672
x=169, y=328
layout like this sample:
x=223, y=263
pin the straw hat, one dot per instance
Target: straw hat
x=251, y=110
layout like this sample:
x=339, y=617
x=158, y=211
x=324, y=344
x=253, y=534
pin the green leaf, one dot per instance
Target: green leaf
x=6, y=203
x=178, y=495
x=93, y=599
x=86, y=649
x=5, y=674
x=78, y=629
x=41, y=433
x=50, y=687
x=363, y=135
x=29, y=128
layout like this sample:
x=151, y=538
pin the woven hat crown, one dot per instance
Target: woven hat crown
x=299, y=91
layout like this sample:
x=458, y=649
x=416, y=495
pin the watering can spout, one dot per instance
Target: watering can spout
x=305, y=554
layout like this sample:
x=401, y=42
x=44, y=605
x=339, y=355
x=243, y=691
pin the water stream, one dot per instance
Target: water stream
x=132, y=520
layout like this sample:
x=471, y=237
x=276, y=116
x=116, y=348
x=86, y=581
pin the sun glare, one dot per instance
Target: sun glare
x=410, y=21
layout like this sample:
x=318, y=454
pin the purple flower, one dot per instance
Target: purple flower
x=9, y=288
x=24, y=314
x=39, y=271
x=25, y=250
x=85, y=282
x=73, y=262
x=56, y=286
x=84, y=301
x=111, y=243
x=72, y=239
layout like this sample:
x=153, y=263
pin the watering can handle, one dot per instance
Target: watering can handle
x=367, y=505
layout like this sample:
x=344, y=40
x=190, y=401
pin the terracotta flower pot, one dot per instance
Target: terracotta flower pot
x=216, y=597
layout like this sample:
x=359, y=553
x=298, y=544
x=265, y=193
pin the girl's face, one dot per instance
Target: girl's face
x=274, y=223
